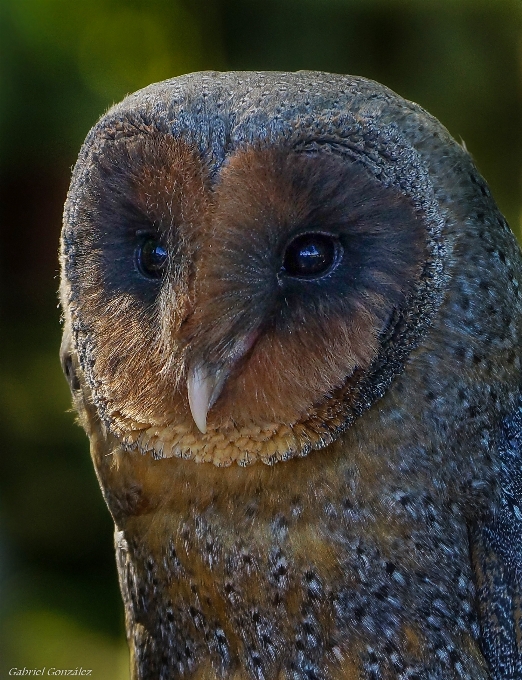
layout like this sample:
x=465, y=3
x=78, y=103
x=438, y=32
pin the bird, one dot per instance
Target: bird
x=292, y=331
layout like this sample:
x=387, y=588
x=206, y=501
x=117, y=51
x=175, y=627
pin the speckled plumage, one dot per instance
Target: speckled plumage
x=362, y=516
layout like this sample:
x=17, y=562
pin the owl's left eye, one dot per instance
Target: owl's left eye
x=311, y=256
x=151, y=258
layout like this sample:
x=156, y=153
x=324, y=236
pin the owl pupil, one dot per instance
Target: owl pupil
x=151, y=258
x=311, y=255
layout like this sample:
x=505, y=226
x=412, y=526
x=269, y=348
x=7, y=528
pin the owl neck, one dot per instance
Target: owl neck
x=348, y=560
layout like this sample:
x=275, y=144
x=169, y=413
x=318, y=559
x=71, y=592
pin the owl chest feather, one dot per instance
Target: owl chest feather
x=348, y=562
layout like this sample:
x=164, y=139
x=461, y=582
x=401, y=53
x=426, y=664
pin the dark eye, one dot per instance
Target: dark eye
x=151, y=258
x=311, y=255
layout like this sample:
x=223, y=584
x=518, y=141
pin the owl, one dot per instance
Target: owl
x=292, y=332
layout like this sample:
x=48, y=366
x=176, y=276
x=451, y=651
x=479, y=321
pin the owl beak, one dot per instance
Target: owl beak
x=204, y=387
x=205, y=380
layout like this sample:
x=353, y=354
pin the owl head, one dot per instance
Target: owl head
x=249, y=259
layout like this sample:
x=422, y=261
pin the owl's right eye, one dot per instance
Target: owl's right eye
x=151, y=258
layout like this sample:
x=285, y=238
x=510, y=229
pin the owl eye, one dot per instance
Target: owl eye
x=311, y=255
x=151, y=258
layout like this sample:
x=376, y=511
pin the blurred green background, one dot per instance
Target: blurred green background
x=62, y=63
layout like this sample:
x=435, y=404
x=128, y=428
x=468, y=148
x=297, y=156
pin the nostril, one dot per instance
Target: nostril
x=70, y=372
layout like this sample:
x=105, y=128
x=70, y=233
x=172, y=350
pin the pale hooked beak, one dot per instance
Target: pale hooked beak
x=204, y=387
x=205, y=382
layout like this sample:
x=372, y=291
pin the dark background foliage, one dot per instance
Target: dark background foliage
x=62, y=63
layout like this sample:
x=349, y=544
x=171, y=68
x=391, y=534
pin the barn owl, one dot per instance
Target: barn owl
x=292, y=331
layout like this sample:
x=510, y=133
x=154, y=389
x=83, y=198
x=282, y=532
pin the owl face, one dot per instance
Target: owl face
x=247, y=295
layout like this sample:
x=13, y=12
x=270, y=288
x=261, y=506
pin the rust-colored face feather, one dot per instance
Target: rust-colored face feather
x=275, y=343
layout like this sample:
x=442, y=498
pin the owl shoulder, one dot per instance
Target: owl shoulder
x=496, y=546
